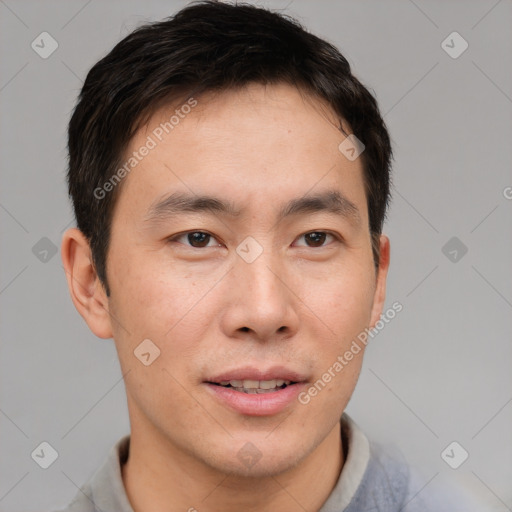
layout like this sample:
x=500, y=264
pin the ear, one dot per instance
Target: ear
x=379, y=296
x=85, y=287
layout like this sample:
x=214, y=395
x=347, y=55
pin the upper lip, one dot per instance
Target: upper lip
x=252, y=373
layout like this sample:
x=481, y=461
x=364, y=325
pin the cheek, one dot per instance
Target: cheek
x=144, y=291
x=152, y=303
x=344, y=312
x=163, y=304
x=343, y=302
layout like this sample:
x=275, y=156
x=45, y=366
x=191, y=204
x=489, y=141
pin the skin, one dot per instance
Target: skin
x=299, y=304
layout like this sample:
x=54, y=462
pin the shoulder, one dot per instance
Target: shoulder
x=385, y=483
x=440, y=493
x=104, y=491
x=391, y=484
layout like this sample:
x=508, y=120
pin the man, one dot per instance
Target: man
x=230, y=178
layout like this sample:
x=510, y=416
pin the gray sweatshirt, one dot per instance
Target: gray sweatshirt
x=372, y=480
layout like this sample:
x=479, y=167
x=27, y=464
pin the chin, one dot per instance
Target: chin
x=258, y=458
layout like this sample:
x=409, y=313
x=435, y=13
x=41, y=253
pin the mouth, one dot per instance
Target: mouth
x=254, y=392
x=253, y=387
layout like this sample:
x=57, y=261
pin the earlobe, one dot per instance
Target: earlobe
x=382, y=272
x=87, y=292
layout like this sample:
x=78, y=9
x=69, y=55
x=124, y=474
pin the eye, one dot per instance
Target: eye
x=196, y=239
x=316, y=238
x=201, y=239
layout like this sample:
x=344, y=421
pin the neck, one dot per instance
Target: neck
x=159, y=476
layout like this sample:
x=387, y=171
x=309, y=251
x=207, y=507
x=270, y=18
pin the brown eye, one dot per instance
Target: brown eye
x=316, y=239
x=194, y=239
x=198, y=238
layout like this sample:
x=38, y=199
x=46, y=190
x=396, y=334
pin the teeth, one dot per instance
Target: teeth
x=251, y=384
x=267, y=384
x=255, y=386
x=255, y=391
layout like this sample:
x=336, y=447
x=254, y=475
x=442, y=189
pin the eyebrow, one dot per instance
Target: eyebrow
x=330, y=201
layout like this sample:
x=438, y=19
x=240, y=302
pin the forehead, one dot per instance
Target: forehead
x=254, y=144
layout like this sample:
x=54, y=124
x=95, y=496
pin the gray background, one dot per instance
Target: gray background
x=439, y=372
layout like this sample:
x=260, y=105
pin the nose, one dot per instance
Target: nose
x=261, y=300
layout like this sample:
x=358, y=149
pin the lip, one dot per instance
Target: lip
x=252, y=373
x=265, y=404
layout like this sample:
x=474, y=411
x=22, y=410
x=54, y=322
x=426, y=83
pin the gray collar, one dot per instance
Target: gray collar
x=105, y=490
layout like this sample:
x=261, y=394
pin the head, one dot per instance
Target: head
x=218, y=218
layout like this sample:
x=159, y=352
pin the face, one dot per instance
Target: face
x=268, y=280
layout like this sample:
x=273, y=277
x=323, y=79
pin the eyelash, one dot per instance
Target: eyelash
x=181, y=235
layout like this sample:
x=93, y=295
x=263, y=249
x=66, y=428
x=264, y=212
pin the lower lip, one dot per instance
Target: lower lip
x=262, y=404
